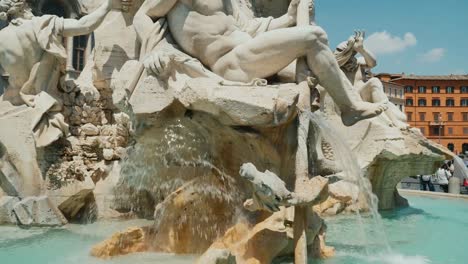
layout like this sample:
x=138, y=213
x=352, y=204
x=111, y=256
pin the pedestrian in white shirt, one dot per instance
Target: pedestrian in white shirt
x=442, y=176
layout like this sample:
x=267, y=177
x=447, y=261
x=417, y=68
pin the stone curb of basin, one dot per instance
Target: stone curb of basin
x=433, y=194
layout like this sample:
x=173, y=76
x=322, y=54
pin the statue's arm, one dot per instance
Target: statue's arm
x=283, y=21
x=287, y=20
x=88, y=23
x=291, y=17
x=368, y=59
x=151, y=9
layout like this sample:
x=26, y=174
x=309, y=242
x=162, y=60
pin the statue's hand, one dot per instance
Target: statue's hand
x=359, y=40
x=292, y=10
x=156, y=63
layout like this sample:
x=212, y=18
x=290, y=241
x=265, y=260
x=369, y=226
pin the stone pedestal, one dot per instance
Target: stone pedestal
x=454, y=185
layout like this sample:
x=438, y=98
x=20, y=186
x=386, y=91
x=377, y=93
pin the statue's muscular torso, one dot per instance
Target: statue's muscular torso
x=205, y=29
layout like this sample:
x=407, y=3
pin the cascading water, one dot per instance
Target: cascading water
x=351, y=170
x=174, y=156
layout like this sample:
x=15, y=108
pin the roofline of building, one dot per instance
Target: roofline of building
x=402, y=76
x=393, y=83
x=451, y=77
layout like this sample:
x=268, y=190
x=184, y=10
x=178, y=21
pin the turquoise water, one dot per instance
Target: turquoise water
x=432, y=231
x=71, y=245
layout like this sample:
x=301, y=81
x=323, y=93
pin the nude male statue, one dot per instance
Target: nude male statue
x=371, y=90
x=211, y=31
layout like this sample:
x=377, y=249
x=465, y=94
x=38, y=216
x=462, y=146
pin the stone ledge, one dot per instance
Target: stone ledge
x=433, y=194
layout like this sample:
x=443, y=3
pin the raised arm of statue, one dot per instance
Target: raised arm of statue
x=286, y=20
x=368, y=59
x=88, y=23
x=157, y=8
x=150, y=10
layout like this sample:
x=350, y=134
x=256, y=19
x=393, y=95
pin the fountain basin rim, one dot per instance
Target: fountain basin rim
x=433, y=194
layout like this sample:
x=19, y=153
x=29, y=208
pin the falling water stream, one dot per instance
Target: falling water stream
x=351, y=172
x=180, y=158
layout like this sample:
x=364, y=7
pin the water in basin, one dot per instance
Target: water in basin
x=432, y=230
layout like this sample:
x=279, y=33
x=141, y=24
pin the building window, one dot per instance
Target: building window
x=450, y=130
x=401, y=108
x=423, y=131
x=450, y=116
x=437, y=117
x=465, y=131
x=79, y=50
x=395, y=92
x=422, y=116
x=435, y=89
x=409, y=116
x=465, y=148
x=464, y=89
x=390, y=92
x=436, y=131
x=422, y=89
x=409, y=102
x=464, y=102
x=465, y=116
x=451, y=147
x=449, y=90
x=435, y=102
x=422, y=102
x=401, y=93
x=450, y=102
x=408, y=89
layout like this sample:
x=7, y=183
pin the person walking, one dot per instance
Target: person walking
x=426, y=183
x=442, y=176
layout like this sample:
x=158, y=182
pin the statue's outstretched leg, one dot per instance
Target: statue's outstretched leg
x=270, y=52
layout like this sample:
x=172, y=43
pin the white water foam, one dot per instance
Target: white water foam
x=387, y=258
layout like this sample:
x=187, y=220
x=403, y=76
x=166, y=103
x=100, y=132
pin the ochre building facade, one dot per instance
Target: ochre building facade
x=438, y=106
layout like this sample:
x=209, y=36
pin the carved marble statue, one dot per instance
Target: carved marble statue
x=33, y=59
x=241, y=49
x=166, y=111
x=371, y=90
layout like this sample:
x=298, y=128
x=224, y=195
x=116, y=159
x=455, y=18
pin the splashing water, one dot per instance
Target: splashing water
x=352, y=173
x=386, y=258
x=178, y=156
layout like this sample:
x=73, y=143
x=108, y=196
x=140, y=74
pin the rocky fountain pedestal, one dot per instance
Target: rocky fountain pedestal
x=153, y=128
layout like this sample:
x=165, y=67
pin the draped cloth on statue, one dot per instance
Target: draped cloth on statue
x=345, y=56
x=38, y=88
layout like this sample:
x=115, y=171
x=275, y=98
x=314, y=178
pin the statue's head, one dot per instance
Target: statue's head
x=345, y=54
x=10, y=10
x=345, y=47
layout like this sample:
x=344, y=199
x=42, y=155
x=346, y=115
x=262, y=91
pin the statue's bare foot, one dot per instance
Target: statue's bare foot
x=361, y=111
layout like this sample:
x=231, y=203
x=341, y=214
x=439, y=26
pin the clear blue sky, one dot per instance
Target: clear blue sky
x=411, y=36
